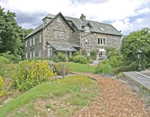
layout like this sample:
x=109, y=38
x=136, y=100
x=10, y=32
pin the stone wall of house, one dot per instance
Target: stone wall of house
x=111, y=40
x=37, y=47
x=75, y=38
x=50, y=31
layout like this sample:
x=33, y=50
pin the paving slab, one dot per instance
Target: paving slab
x=142, y=78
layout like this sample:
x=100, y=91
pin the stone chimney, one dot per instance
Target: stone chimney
x=83, y=17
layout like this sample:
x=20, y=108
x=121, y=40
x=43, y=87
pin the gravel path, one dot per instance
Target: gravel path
x=115, y=100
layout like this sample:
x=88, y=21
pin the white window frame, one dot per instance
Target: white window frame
x=58, y=20
x=33, y=40
x=30, y=41
x=33, y=53
x=101, y=41
x=30, y=54
x=40, y=38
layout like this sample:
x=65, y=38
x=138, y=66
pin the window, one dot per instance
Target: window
x=101, y=41
x=59, y=35
x=40, y=38
x=26, y=55
x=26, y=43
x=30, y=41
x=34, y=53
x=30, y=54
x=87, y=29
x=39, y=53
x=33, y=40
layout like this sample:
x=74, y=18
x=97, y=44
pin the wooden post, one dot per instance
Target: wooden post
x=63, y=70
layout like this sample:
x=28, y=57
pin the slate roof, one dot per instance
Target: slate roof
x=97, y=27
x=62, y=46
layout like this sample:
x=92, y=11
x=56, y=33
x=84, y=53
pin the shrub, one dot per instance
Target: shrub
x=61, y=57
x=76, y=53
x=4, y=60
x=103, y=68
x=71, y=58
x=28, y=74
x=90, y=60
x=1, y=85
x=58, y=69
x=93, y=54
x=84, y=52
x=11, y=57
x=80, y=59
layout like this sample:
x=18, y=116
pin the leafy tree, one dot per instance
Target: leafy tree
x=136, y=40
x=11, y=35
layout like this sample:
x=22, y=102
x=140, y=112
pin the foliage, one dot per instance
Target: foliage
x=84, y=52
x=11, y=57
x=29, y=74
x=80, y=59
x=58, y=69
x=76, y=53
x=90, y=60
x=71, y=58
x=136, y=40
x=4, y=60
x=1, y=84
x=10, y=33
x=61, y=57
x=103, y=68
x=72, y=86
x=93, y=54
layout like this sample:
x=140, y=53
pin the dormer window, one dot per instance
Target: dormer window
x=87, y=29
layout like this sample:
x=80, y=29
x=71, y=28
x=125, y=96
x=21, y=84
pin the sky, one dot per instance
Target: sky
x=124, y=15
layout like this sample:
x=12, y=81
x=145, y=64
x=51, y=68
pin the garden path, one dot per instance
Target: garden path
x=115, y=100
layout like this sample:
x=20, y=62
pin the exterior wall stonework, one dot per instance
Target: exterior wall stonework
x=36, y=47
x=111, y=41
x=50, y=30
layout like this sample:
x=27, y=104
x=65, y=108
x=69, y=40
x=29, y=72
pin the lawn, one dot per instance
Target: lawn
x=77, y=67
x=64, y=97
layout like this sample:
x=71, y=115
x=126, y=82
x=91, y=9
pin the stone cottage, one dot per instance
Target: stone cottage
x=65, y=34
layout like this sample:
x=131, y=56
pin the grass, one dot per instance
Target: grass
x=65, y=96
x=77, y=67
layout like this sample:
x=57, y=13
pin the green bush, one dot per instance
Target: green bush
x=80, y=59
x=84, y=52
x=1, y=85
x=11, y=57
x=28, y=74
x=115, y=61
x=61, y=57
x=71, y=58
x=103, y=68
x=90, y=60
x=4, y=60
x=58, y=69
x=76, y=53
x=93, y=54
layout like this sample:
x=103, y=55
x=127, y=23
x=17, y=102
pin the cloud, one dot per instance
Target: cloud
x=144, y=11
x=119, y=12
x=139, y=20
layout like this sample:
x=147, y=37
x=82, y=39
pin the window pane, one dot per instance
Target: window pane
x=101, y=41
x=104, y=41
x=98, y=41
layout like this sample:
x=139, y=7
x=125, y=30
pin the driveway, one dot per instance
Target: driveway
x=115, y=100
